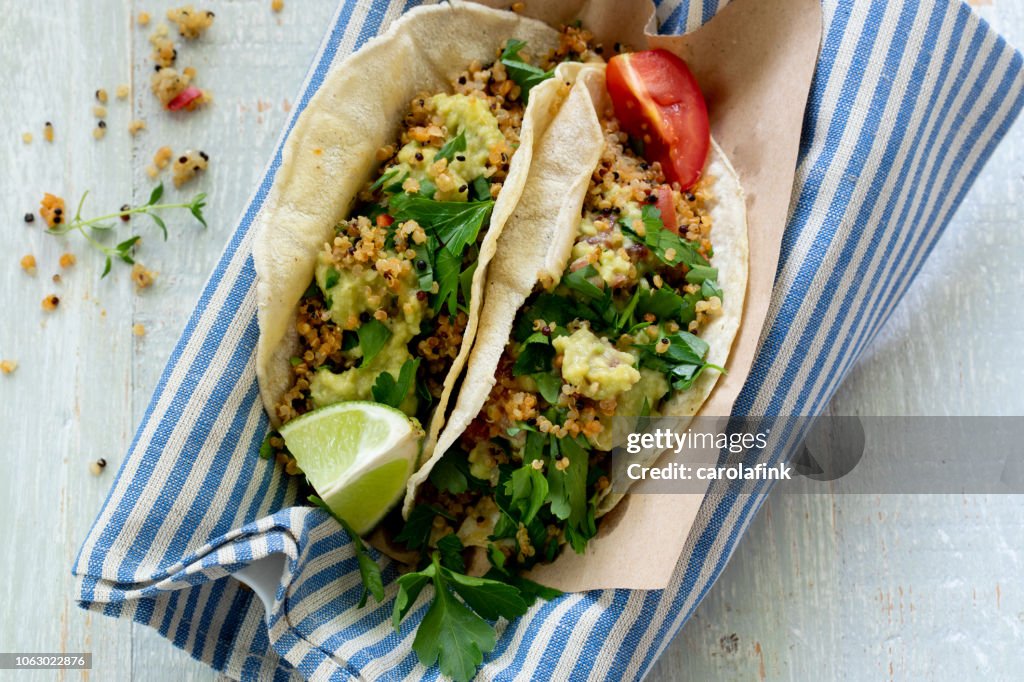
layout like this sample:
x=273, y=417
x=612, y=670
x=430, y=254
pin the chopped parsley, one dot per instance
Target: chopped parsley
x=681, y=363
x=526, y=76
x=452, y=147
x=373, y=335
x=392, y=392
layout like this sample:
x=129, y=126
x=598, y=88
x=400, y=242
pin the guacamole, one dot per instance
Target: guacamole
x=469, y=121
x=594, y=367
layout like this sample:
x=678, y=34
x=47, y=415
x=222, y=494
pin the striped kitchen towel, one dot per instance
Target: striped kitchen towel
x=908, y=101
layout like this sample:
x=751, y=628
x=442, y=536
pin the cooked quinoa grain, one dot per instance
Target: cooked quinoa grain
x=50, y=303
x=191, y=22
x=101, y=96
x=162, y=157
x=26, y=138
x=164, y=53
x=51, y=209
x=136, y=126
x=28, y=264
x=48, y=131
x=277, y=5
x=100, y=131
x=8, y=366
x=142, y=277
x=143, y=19
x=67, y=260
x=122, y=91
x=188, y=165
x=138, y=329
x=99, y=111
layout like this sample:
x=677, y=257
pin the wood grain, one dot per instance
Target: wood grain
x=873, y=588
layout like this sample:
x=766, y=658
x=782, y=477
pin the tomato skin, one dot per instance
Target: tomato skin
x=384, y=220
x=667, y=205
x=657, y=100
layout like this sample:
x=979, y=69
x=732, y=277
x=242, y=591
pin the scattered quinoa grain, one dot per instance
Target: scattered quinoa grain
x=518, y=7
x=152, y=171
x=30, y=217
x=26, y=138
x=136, y=126
x=162, y=157
x=143, y=19
x=28, y=264
x=98, y=466
x=142, y=277
x=138, y=329
x=122, y=91
x=99, y=111
x=48, y=131
x=56, y=278
x=67, y=260
x=277, y=5
x=51, y=209
x=191, y=22
x=188, y=165
x=8, y=366
x=50, y=303
x=100, y=131
x=101, y=95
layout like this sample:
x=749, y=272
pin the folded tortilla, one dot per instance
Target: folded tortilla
x=536, y=244
x=331, y=154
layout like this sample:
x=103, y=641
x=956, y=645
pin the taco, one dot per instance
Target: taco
x=616, y=291
x=372, y=248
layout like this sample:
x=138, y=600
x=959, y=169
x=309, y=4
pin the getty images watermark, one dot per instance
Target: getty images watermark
x=833, y=454
x=666, y=440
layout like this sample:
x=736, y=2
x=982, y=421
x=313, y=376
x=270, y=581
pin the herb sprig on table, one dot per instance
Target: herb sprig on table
x=102, y=224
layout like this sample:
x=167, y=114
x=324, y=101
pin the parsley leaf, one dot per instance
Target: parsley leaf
x=528, y=490
x=369, y=571
x=664, y=242
x=452, y=147
x=455, y=223
x=372, y=337
x=579, y=281
x=526, y=76
x=266, y=449
x=699, y=273
x=331, y=278
x=450, y=548
x=709, y=288
x=450, y=633
x=386, y=177
x=393, y=393
x=528, y=589
x=451, y=473
x=549, y=385
x=446, y=272
x=568, y=491
x=416, y=530
x=682, y=362
x=534, y=358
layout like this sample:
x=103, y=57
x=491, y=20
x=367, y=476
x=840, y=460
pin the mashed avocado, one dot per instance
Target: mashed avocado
x=594, y=367
x=613, y=267
x=463, y=115
x=349, y=297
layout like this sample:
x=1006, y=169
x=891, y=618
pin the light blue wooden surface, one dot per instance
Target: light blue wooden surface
x=822, y=587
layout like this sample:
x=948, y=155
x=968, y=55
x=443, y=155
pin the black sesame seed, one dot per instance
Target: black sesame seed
x=174, y=54
x=157, y=67
x=599, y=49
x=48, y=124
x=182, y=159
x=56, y=220
x=421, y=264
x=364, y=316
x=462, y=80
x=690, y=196
x=30, y=217
x=419, y=156
x=665, y=341
x=211, y=15
x=652, y=199
x=460, y=157
x=58, y=211
x=644, y=165
x=102, y=124
x=204, y=155
x=125, y=218
x=101, y=462
x=195, y=168
x=618, y=47
x=463, y=189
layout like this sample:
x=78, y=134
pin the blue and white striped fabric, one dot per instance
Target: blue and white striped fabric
x=908, y=102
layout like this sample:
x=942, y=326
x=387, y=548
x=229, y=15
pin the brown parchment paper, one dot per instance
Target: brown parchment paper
x=754, y=62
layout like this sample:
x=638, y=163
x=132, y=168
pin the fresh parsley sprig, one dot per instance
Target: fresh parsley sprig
x=369, y=571
x=123, y=250
x=453, y=632
x=682, y=362
x=526, y=76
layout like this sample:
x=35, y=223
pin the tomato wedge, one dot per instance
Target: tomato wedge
x=667, y=207
x=184, y=98
x=657, y=100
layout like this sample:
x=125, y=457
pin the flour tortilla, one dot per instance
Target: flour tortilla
x=537, y=240
x=330, y=155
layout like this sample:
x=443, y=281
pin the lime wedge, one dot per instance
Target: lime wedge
x=357, y=455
